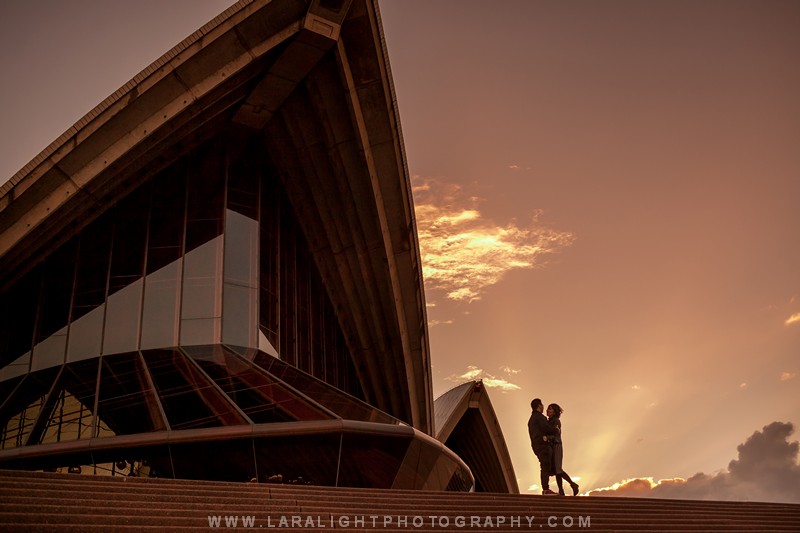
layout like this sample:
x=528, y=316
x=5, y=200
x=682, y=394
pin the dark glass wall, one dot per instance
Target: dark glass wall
x=207, y=412
x=207, y=251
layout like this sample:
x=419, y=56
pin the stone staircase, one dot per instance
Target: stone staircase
x=36, y=501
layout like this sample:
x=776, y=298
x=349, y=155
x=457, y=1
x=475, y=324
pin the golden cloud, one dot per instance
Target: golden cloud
x=640, y=486
x=795, y=318
x=766, y=470
x=475, y=373
x=787, y=376
x=463, y=253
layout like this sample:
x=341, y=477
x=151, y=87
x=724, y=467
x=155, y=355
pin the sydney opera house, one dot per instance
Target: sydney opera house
x=215, y=274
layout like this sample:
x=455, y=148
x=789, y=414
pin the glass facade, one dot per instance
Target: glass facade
x=207, y=251
x=187, y=332
x=207, y=412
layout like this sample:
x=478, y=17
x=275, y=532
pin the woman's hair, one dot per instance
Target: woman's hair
x=556, y=409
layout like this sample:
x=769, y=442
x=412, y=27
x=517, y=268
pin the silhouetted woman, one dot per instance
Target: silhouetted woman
x=554, y=419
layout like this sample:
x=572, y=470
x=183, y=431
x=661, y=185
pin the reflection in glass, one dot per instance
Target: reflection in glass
x=122, y=319
x=126, y=402
x=19, y=413
x=371, y=460
x=85, y=335
x=238, y=327
x=16, y=368
x=189, y=400
x=137, y=461
x=260, y=396
x=161, y=304
x=127, y=272
x=165, y=237
x=302, y=459
x=86, y=330
x=241, y=249
x=7, y=387
x=339, y=402
x=68, y=413
x=50, y=351
x=240, y=318
x=201, y=309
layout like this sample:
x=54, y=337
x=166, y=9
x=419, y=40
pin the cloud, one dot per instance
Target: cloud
x=474, y=373
x=513, y=167
x=434, y=323
x=464, y=253
x=795, y=318
x=508, y=370
x=766, y=470
x=743, y=385
x=787, y=376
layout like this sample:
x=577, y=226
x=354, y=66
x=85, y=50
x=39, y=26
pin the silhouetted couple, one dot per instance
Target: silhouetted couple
x=545, y=433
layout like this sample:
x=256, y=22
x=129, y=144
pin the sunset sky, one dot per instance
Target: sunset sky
x=608, y=203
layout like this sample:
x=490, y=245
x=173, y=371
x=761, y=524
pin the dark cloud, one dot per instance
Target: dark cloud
x=767, y=470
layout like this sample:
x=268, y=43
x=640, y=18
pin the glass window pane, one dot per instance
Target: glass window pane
x=303, y=311
x=226, y=460
x=7, y=387
x=127, y=403
x=18, y=307
x=139, y=461
x=69, y=410
x=243, y=178
x=241, y=249
x=166, y=217
x=288, y=290
x=371, y=460
x=86, y=328
x=240, y=318
x=54, y=309
x=85, y=335
x=302, y=459
x=239, y=322
x=330, y=397
x=200, y=331
x=121, y=332
x=16, y=368
x=161, y=304
x=262, y=398
x=21, y=410
x=206, y=194
x=201, y=309
x=130, y=236
x=189, y=400
x=269, y=234
x=50, y=351
x=202, y=281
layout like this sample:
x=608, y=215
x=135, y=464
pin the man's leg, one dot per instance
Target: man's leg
x=545, y=456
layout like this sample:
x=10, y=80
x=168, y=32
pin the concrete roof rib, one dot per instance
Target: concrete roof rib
x=465, y=422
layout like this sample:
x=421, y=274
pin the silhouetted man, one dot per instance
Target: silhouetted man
x=539, y=430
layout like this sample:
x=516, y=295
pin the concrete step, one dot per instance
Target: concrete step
x=61, y=502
